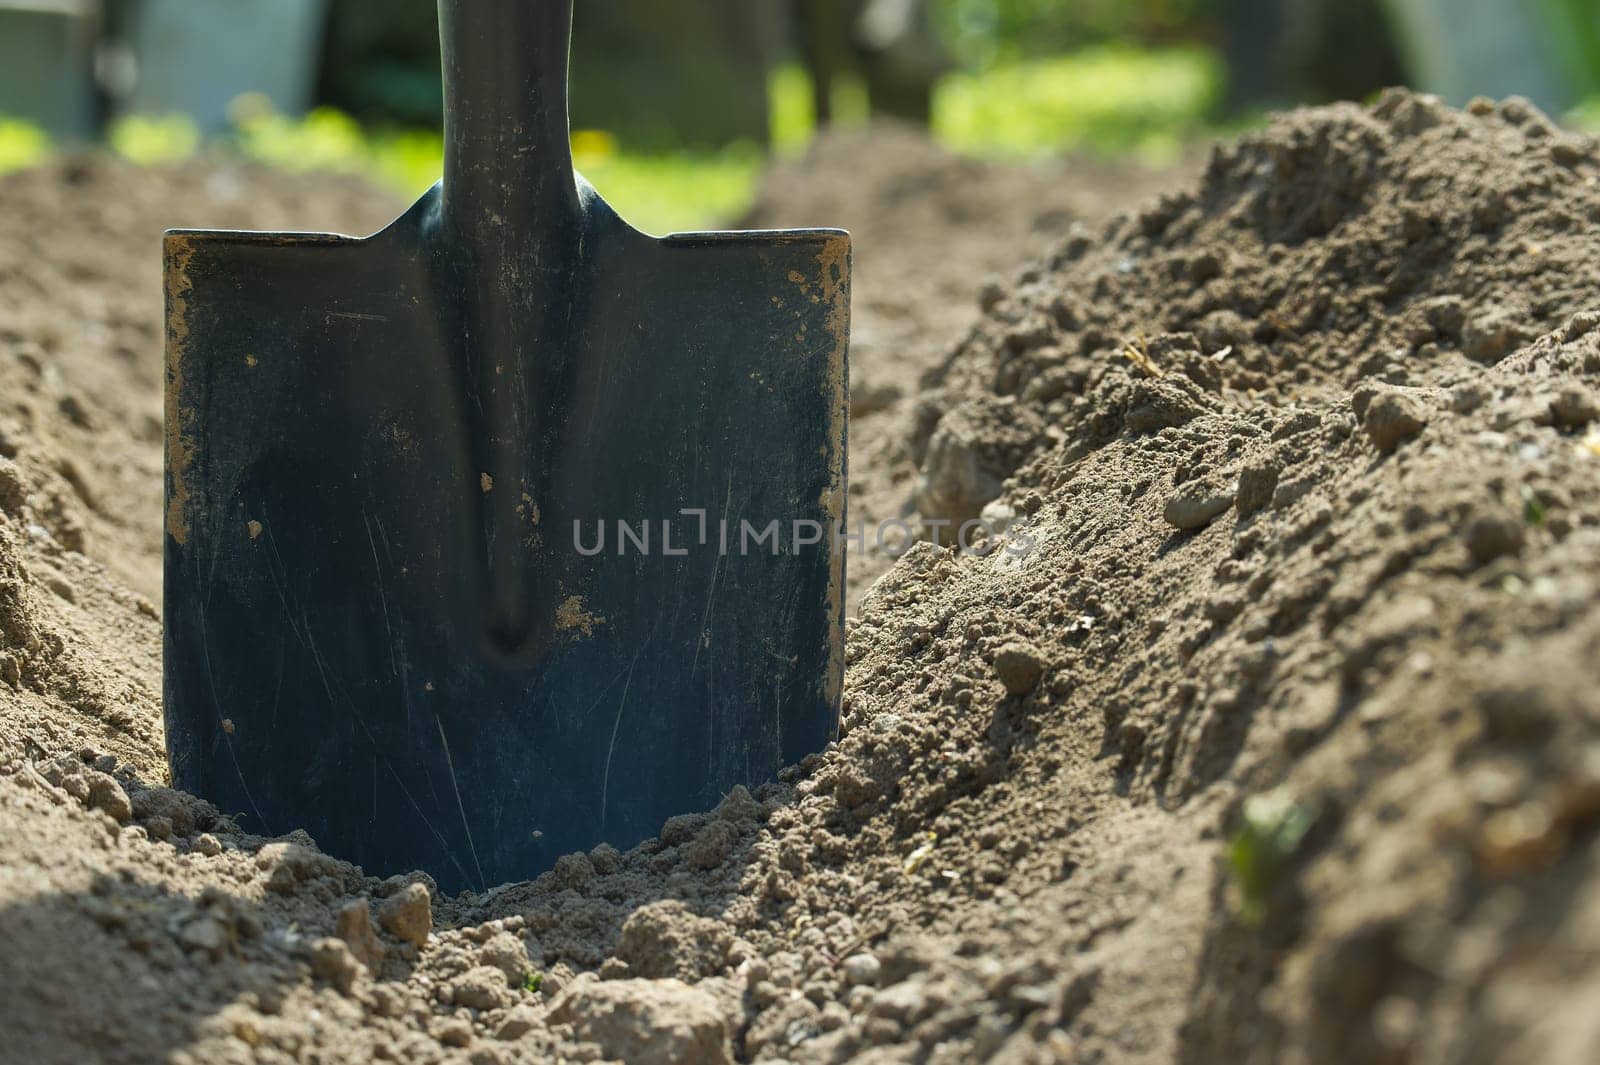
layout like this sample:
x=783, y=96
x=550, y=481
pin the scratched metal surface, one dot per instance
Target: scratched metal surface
x=378, y=628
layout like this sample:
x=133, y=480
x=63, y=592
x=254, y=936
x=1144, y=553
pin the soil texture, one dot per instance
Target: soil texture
x=1261, y=727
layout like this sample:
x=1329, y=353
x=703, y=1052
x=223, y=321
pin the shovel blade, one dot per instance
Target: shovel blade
x=372, y=636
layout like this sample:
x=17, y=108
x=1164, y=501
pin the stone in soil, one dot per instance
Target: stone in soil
x=647, y=1022
x=1019, y=666
x=408, y=915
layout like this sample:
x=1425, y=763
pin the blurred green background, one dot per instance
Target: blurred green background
x=678, y=106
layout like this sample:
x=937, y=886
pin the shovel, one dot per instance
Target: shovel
x=509, y=530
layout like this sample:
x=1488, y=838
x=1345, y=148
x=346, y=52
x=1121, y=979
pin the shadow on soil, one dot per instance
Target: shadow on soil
x=133, y=971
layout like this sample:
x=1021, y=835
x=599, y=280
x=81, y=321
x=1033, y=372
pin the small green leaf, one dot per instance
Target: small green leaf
x=1272, y=828
x=1533, y=511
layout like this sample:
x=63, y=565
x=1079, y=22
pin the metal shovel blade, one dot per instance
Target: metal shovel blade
x=509, y=530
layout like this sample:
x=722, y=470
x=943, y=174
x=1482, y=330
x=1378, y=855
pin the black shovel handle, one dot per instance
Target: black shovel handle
x=507, y=144
x=511, y=207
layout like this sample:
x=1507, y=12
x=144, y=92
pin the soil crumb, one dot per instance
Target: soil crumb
x=1261, y=729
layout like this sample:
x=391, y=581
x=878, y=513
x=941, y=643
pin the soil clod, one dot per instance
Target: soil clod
x=1019, y=666
x=408, y=915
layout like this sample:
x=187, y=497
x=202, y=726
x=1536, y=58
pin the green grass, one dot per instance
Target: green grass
x=1586, y=116
x=682, y=191
x=658, y=193
x=1271, y=829
x=1105, y=100
x=1574, y=37
x=152, y=140
x=21, y=145
x=794, y=113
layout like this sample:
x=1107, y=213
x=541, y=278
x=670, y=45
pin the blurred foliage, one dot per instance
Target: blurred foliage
x=983, y=32
x=658, y=192
x=1107, y=99
x=330, y=140
x=1586, y=116
x=661, y=193
x=794, y=115
x=1577, y=39
x=675, y=191
x=1104, y=99
x=21, y=145
x=1039, y=76
x=150, y=140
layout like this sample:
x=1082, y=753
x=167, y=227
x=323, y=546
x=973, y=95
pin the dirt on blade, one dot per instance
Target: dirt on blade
x=1266, y=732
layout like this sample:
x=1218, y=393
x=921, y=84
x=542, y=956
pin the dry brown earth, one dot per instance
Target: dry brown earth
x=1280, y=741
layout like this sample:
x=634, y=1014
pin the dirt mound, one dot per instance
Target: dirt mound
x=1265, y=733
x=932, y=232
x=1309, y=462
x=1339, y=246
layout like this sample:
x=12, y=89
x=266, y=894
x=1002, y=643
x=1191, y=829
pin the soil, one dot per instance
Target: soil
x=1265, y=732
x=931, y=231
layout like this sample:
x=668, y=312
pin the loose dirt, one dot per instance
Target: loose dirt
x=1266, y=732
x=932, y=232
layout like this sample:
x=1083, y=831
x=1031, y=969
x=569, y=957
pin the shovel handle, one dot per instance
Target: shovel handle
x=510, y=204
x=507, y=143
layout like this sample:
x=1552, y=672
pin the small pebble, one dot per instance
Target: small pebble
x=862, y=970
x=408, y=915
x=1393, y=418
x=106, y=794
x=205, y=934
x=354, y=926
x=332, y=961
x=1196, y=506
x=1567, y=151
x=1492, y=536
x=453, y=1032
x=1574, y=407
x=1019, y=665
x=481, y=988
